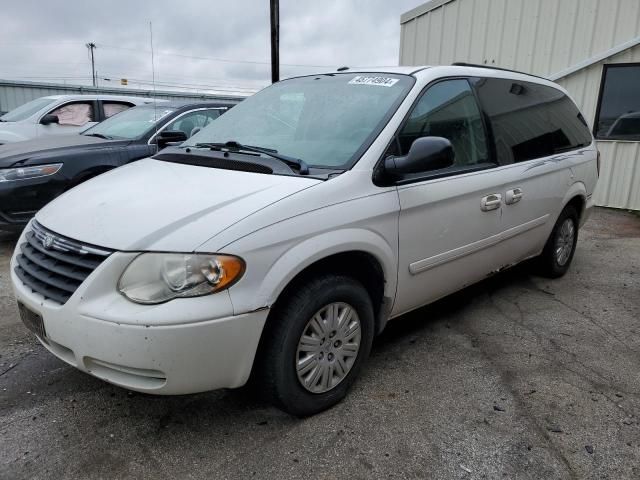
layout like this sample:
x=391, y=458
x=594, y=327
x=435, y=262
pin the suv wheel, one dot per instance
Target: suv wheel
x=561, y=245
x=316, y=344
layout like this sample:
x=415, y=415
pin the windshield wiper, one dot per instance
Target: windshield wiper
x=232, y=145
x=99, y=135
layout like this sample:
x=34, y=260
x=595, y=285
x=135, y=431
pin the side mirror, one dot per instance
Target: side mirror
x=426, y=154
x=166, y=137
x=49, y=118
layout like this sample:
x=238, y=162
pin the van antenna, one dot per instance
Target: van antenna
x=153, y=82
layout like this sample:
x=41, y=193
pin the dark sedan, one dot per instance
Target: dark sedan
x=34, y=172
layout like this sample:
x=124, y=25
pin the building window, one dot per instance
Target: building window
x=618, y=116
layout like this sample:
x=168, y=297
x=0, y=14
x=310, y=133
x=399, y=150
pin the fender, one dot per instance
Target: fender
x=578, y=189
x=88, y=175
x=9, y=137
x=295, y=258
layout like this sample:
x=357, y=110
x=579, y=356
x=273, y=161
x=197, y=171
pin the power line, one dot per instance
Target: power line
x=213, y=59
x=37, y=71
x=199, y=85
x=49, y=77
x=42, y=44
x=169, y=54
x=195, y=87
x=254, y=84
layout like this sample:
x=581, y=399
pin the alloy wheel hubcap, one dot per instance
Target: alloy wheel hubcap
x=328, y=347
x=564, y=242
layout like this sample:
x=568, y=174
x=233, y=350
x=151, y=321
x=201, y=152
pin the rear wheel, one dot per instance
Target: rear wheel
x=561, y=245
x=316, y=344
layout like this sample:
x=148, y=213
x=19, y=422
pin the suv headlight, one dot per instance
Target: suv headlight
x=153, y=278
x=26, y=173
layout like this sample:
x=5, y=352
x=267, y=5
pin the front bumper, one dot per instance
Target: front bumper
x=183, y=346
x=16, y=221
x=19, y=201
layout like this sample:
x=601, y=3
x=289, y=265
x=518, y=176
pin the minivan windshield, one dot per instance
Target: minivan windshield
x=25, y=111
x=130, y=124
x=324, y=120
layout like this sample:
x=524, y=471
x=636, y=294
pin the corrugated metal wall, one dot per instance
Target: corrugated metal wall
x=619, y=184
x=14, y=94
x=542, y=37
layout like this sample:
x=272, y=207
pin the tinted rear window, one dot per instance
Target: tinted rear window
x=531, y=121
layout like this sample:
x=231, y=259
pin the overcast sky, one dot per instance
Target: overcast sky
x=203, y=44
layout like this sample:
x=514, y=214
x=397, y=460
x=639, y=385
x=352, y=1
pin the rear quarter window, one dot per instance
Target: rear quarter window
x=531, y=121
x=112, y=108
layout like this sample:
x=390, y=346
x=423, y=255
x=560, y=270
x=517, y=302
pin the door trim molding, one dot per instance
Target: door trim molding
x=457, y=253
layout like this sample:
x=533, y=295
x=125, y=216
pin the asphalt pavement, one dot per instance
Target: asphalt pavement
x=518, y=377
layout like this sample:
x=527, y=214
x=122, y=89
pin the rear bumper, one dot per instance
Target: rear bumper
x=588, y=208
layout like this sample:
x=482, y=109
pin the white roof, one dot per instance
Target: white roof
x=93, y=96
x=390, y=69
x=420, y=71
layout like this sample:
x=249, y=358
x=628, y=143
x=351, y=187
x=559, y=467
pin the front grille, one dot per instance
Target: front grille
x=55, y=266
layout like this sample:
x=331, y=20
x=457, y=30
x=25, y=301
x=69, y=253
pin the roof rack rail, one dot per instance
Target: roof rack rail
x=475, y=65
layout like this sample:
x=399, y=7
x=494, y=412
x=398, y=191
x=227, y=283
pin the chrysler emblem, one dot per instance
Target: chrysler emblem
x=47, y=241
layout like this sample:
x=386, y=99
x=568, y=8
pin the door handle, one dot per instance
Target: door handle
x=513, y=196
x=491, y=202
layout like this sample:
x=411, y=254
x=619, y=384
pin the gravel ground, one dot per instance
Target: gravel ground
x=517, y=377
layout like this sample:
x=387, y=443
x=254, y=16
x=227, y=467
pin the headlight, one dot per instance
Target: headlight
x=159, y=277
x=26, y=173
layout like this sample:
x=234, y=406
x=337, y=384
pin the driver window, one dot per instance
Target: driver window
x=192, y=122
x=74, y=114
x=448, y=109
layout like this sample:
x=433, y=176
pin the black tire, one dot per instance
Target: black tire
x=548, y=262
x=277, y=377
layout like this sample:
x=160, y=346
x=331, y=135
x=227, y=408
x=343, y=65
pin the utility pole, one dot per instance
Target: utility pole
x=275, y=40
x=91, y=46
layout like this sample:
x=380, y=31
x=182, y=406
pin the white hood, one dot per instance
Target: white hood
x=16, y=131
x=162, y=206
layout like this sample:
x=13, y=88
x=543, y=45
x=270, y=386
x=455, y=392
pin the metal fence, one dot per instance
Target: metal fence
x=15, y=93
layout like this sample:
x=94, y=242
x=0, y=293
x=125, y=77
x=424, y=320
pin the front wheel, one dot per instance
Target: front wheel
x=316, y=344
x=561, y=245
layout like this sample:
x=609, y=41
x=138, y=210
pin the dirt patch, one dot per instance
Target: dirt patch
x=611, y=223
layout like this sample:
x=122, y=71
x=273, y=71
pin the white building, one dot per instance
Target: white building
x=590, y=47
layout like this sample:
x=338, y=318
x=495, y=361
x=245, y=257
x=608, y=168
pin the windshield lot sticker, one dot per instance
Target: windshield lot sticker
x=377, y=81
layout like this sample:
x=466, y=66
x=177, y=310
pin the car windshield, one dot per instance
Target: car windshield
x=130, y=124
x=25, y=111
x=325, y=120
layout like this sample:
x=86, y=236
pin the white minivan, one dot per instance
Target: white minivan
x=62, y=114
x=277, y=242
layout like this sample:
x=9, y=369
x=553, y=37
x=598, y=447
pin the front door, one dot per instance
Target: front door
x=73, y=117
x=450, y=220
